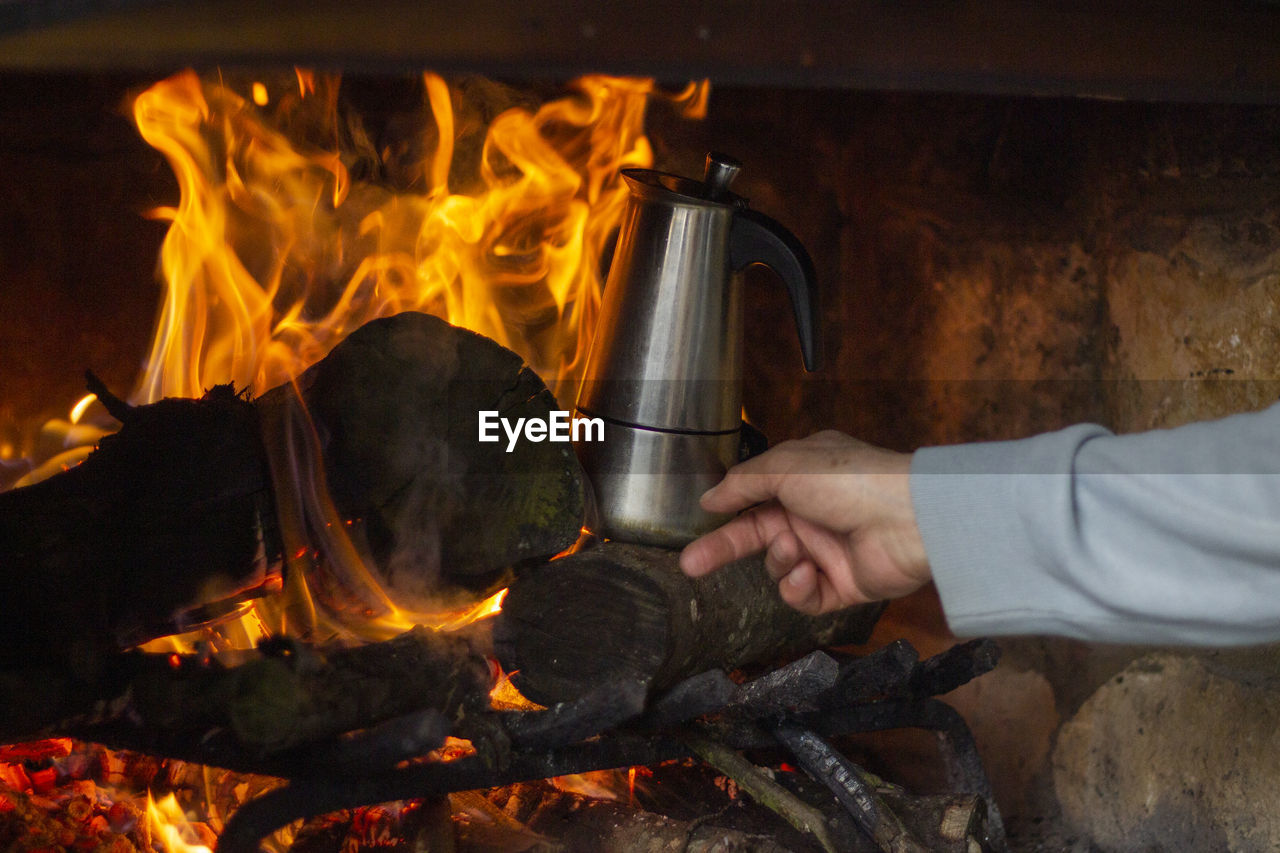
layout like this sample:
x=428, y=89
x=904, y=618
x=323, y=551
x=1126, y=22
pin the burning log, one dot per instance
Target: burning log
x=170, y=515
x=386, y=427
x=585, y=619
x=368, y=464
x=267, y=714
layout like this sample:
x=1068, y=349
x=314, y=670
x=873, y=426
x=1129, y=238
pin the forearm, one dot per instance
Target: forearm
x=1170, y=536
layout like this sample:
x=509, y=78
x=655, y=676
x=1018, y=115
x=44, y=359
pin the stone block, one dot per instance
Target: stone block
x=1168, y=755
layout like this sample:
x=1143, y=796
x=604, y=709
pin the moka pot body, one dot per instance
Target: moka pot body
x=664, y=368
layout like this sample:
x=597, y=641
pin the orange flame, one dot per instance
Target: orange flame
x=170, y=829
x=277, y=250
x=275, y=253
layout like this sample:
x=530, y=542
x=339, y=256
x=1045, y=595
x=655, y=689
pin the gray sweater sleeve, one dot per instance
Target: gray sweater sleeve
x=1169, y=536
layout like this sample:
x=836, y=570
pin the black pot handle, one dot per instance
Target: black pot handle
x=758, y=239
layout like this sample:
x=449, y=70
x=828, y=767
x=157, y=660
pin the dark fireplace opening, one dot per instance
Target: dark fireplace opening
x=991, y=266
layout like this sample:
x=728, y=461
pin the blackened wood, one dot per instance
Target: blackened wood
x=263, y=716
x=895, y=672
x=169, y=516
x=311, y=795
x=115, y=406
x=965, y=773
x=704, y=693
x=175, y=517
x=791, y=688
x=958, y=665
x=394, y=412
x=380, y=746
x=597, y=711
x=764, y=790
x=314, y=795
x=851, y=788
x=274, y=704
x=618, y=608
x=586, y=825
x=884, y=672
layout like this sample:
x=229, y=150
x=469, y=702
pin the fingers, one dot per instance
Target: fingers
x=799, y=588
x=800, y=582
x=784, y=553
x=747, y=534
x=809, y=590
x=748, y=483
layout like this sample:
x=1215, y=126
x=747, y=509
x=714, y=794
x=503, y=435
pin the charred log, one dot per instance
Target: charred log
x=392, y=413
x=958, y=665
x=264, y=715
x=585, y=825
x=368, y=462
x=852, y=789
x=170, y=517
x=577, y=622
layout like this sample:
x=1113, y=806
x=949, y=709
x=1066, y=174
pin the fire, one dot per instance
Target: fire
x=172, y=832
x=276, y=252
x=78, y=410
x=491, y=606
x=504, y=696
x=282, y=243
x=293, y=229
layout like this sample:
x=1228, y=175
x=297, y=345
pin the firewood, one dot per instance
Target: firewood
x=263, y=715
x=579, y=621
x=761, y=788
x=170, y=515
x=948, y=823
x=393, y=412
x=853, y=789
x=586, y=825
x=193, y=504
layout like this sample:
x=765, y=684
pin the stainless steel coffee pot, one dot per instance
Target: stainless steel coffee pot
x=664, y=371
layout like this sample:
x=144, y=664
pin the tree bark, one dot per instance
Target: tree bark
x=619, y=609
x=946, y=823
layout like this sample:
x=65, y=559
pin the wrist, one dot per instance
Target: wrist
x=903, y=540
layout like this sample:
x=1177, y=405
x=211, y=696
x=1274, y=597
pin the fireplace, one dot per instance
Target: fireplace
x=998, y=256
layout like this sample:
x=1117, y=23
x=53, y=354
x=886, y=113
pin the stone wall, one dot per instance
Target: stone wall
x=994, y=268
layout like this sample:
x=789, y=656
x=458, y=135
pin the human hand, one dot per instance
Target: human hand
x=833, y=515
